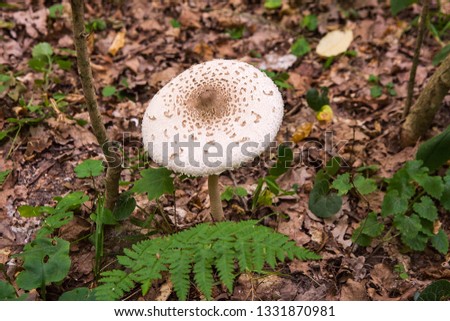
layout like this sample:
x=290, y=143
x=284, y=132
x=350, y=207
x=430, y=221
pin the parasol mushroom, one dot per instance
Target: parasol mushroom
x=212, y=117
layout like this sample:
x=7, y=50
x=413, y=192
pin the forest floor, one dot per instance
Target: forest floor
x=364, y=131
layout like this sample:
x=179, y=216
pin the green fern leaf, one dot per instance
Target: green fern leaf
x=225, y=263
x=203, y=272
x=243, y=255
x=198, y=250
x=180, y=268
x=116, y=284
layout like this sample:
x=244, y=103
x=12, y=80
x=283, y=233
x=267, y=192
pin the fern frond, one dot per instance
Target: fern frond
x=180, y=268
x=225, y=255
x=198, y=250
x=116, y=284
x=203, y=275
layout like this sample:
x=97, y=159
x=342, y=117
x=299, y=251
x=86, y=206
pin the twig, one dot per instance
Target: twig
x=113, y=158
x=412, y=75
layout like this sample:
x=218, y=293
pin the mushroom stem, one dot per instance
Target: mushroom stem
x=214, y=198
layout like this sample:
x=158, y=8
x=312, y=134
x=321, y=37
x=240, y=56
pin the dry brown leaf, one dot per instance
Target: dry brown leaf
x=118, y=43
x=189, y=18
x=35, y=22
x=203, y=50
x=353, y=291
x=163, y=77
x=339, y=232
x=165, y=291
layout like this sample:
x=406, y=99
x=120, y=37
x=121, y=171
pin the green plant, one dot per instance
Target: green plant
x=401, y=271
x=236, y=32
x=316, y=99
x=436, y=291
x=45, y=261
x=300, y=47
x=323, y=202
x=43, y=60
x=4, y=175
x=56, y=11
x=230, y=192
x=119, y=91
x=200, y=250
x=95, y=25
x=435, y=152
x=267, y=187
x=279, y=78
x=272, y=4
x=310, y=22
x=175, y=23
x=8, y=293
x=58, y=215
x=409, y=204
x=89, y=168
x=376, y=90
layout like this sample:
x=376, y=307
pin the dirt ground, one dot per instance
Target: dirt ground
x=42, y=156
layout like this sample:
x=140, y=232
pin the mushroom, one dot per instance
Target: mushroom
x=210, y=118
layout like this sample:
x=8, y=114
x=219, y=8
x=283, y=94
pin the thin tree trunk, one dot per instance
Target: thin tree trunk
x=113, y=158
x=412, y=74
x=423, y=111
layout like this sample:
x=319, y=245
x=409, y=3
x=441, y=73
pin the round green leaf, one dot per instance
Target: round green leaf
x=89, y=168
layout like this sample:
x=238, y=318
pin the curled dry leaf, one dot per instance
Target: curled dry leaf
x=302, y=132
x=118, y=43
x=334, y=43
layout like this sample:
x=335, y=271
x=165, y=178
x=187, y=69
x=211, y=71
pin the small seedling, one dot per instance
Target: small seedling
x=273, y=4
x=95, y=25
x=175, y=23
x=310, y=22
x=401, y=271
x=300, y=47
x=56, y=11
x=377, y=89
x=279, y=78
x=236, y=33
x=119, y=92
x=43, y=60
x=230, y=192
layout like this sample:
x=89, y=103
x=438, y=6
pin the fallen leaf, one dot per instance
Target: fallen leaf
x=353, y=291
x=75, y=229
x=203, y=50
x=339, y=232
x=165, y=291
x=163, y=77
x=278, y=62
x=302, y=132
x=35, y=22
x=118, y=43
x=188, y=18
x=334, y=43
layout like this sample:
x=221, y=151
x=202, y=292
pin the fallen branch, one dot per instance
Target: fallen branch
x=113, y=158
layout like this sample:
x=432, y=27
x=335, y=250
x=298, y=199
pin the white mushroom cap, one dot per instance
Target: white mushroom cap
x=212, y=117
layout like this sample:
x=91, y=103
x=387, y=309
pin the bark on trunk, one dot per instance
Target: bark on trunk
x=422, y=112
x=113, y=158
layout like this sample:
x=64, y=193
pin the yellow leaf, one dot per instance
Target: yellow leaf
x=325, y=115
x=334, y=43
x=302, y=132
x=118, y=43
